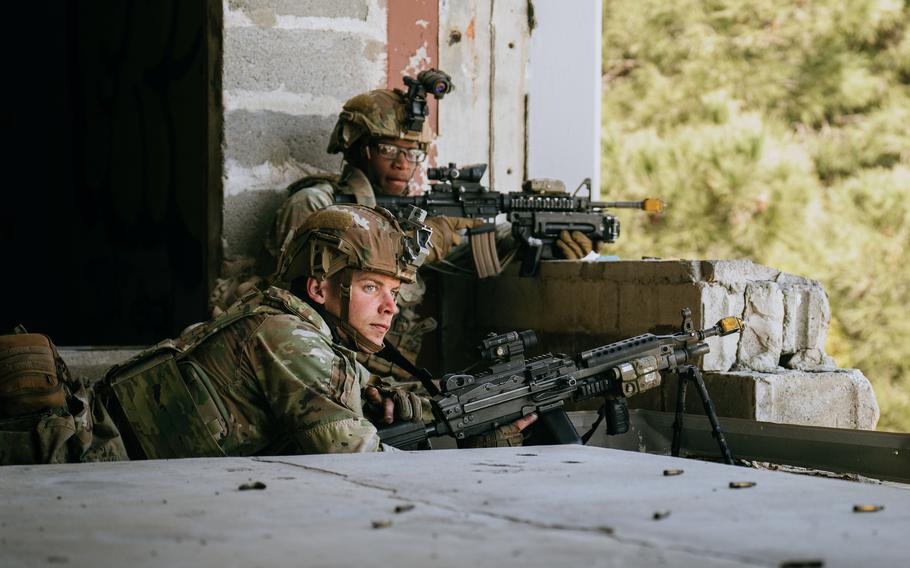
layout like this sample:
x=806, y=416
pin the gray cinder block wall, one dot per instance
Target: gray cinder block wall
x=289, y=65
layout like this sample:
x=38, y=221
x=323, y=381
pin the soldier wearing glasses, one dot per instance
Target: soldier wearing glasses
x=382, y=151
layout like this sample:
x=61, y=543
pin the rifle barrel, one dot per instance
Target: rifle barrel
x=651, y=205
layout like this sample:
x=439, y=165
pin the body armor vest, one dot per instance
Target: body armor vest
x=167, y=400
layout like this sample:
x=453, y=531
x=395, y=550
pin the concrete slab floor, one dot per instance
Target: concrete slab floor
x=532, y=506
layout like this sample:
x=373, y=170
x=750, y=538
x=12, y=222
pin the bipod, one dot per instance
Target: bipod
x=692, y=373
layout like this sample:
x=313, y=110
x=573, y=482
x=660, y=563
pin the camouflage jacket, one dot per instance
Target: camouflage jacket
x=273, y=382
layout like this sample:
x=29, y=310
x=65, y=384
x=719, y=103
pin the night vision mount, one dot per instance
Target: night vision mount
x=437, y=83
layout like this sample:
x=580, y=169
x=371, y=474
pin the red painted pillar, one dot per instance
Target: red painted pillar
x=413, y=43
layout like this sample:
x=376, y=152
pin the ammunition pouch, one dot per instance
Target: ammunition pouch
x=168, y=404
x=31, y=375
x=167, y=401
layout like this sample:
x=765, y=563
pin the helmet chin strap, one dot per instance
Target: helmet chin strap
x=342, y=331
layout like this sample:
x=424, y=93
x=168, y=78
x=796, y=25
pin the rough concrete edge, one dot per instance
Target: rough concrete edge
x=866, y=411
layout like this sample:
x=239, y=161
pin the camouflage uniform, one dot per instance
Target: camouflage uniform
x=264, y=378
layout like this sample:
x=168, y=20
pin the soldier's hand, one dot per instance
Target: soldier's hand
x=574, y=245
x=502, y=437
x=412, y=407
x=399, y=404
x=446, y=234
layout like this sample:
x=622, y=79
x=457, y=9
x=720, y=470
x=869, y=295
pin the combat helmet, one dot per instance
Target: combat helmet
x=359, y=238
x=386, y=113
x=342, y=238
x=376, y=114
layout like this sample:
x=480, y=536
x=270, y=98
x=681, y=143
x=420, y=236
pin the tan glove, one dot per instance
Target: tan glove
x=503, y=437
x=574, y=246
x=446, y=236
x=411, y=407
x=388, y=405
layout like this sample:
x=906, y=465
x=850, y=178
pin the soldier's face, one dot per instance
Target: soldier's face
x=372, y=302
x=391, y=177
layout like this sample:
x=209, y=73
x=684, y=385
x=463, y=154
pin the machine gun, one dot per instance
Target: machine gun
x=514, y=385
x=538, y=213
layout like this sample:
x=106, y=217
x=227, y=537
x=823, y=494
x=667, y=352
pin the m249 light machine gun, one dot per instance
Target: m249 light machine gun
x=538, y=213
x=514, y=385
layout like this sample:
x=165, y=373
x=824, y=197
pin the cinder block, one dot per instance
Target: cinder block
x=733, y=395
x=253, y=138
x=92, y=363
x=268, y=176
x=719, y=301
x=253, y=9
x=560, y=304
x=806, y=318
x=651, y=271
x=809, y=360
x=595, y=306
x=247, y=218
x=733, y=271
x=550, y=269
x=640, y=271
x=662, y=271
x=760, y=341
x=656, y=307
x=838, y=399
x=338, y=64
x=506, y=302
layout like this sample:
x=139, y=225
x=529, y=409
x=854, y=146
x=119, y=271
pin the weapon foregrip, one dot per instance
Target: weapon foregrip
x=616, y=411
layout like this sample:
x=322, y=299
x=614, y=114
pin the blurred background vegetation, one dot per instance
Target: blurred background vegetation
x=778, y=131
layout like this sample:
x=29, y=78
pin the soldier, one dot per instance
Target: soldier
x=276, y=373
x=381, y=155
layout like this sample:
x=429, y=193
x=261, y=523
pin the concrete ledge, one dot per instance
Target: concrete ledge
x=504, y=507
x=258, y=10
x=93, y=362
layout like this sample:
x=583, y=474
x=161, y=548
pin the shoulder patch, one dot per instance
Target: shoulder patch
x=329, y=218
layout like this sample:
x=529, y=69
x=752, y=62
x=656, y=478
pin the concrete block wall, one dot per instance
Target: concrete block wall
x=776, y=370
x=289, y=66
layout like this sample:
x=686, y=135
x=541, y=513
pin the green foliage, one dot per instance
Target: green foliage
x=777, y=131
